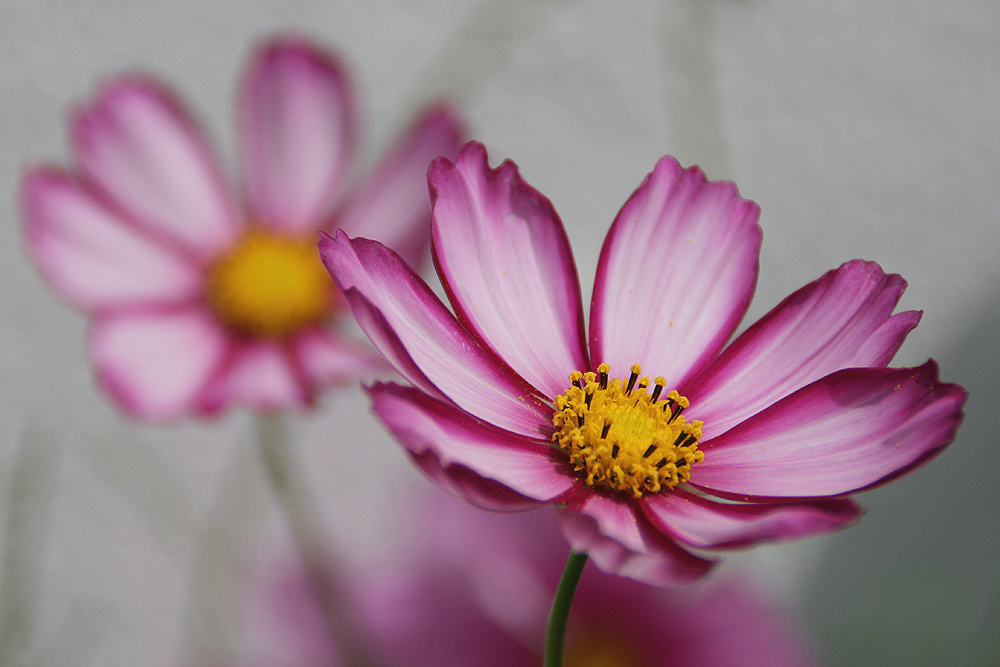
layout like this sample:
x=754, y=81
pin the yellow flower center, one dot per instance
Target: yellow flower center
x=599, y=651
x=270, y=285
x=622, y=438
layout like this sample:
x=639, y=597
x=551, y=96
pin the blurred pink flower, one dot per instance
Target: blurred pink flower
x=199, y=297
x=513, y=407
x=474, y=589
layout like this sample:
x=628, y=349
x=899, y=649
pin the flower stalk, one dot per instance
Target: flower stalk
x=555, y=632
x=302, y=516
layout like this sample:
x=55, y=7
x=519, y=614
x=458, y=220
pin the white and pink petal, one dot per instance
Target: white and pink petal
x=621, y=541
x=675, y=275
x=156, y=363
x=507, y=267
x=422, y=424
x=852, y=430
x=479, y=491
x=883, y=344
x=296, y=129
x=385, y=340
x=393, y=304
x=258, y=374
x=144, y=152
x=392, y=204
x=93, y=258
x=841, y=320
x=326, y=358
x=702, y=523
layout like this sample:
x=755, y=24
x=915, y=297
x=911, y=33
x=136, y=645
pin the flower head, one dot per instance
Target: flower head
x=652, y=436
x=201, y=296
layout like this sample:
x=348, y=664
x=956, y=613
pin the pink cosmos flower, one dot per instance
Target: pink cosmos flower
x=513, y=405
x=202, y=297
x=470, y=589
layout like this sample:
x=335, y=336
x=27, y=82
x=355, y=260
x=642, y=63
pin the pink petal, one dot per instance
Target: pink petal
x=423, y=613
x=841, y=320
x=703, y=523
x=385, y=340
x=156, y=363
x=392, y=205
x=852, y=430
x=735, y=623
x=423, y=424
x=328, y=358
x=145, y=152
x=621, y=542
x=675, y=275
x=429, y=336
x=259, y=374
x=479, y=491
x=296, y=128
x=286, y=624
x=507, y=267
x=93, y=258
x=882, y=345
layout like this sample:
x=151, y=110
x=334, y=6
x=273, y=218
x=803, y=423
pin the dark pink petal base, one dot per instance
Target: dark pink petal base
x=422, y=424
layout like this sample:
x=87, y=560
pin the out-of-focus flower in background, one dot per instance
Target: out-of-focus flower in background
x=474, y=589
x=757, y=442
x=202, y=296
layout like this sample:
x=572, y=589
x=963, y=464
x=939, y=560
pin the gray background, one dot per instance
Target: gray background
x=863, y=129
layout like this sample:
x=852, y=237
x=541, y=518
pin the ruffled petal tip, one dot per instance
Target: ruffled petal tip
x=676, y=273
x=489, y=223
x=841, y=320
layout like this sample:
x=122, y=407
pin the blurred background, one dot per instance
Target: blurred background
x=862, y=129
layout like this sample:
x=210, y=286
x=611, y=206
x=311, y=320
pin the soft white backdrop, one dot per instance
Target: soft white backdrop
x=863, y=129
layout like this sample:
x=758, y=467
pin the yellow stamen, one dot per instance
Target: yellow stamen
x=270, y=285
x=621, y=438
x=595, y=650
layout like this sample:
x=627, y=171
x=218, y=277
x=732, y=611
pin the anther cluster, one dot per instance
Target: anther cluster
x=623, y=438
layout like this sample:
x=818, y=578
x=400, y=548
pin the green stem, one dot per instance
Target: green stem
x=305, y=524
x=555, y=633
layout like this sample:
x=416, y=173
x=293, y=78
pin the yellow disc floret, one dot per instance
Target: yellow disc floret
x=594, y=649
x=622, y=438
x=270, y=285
